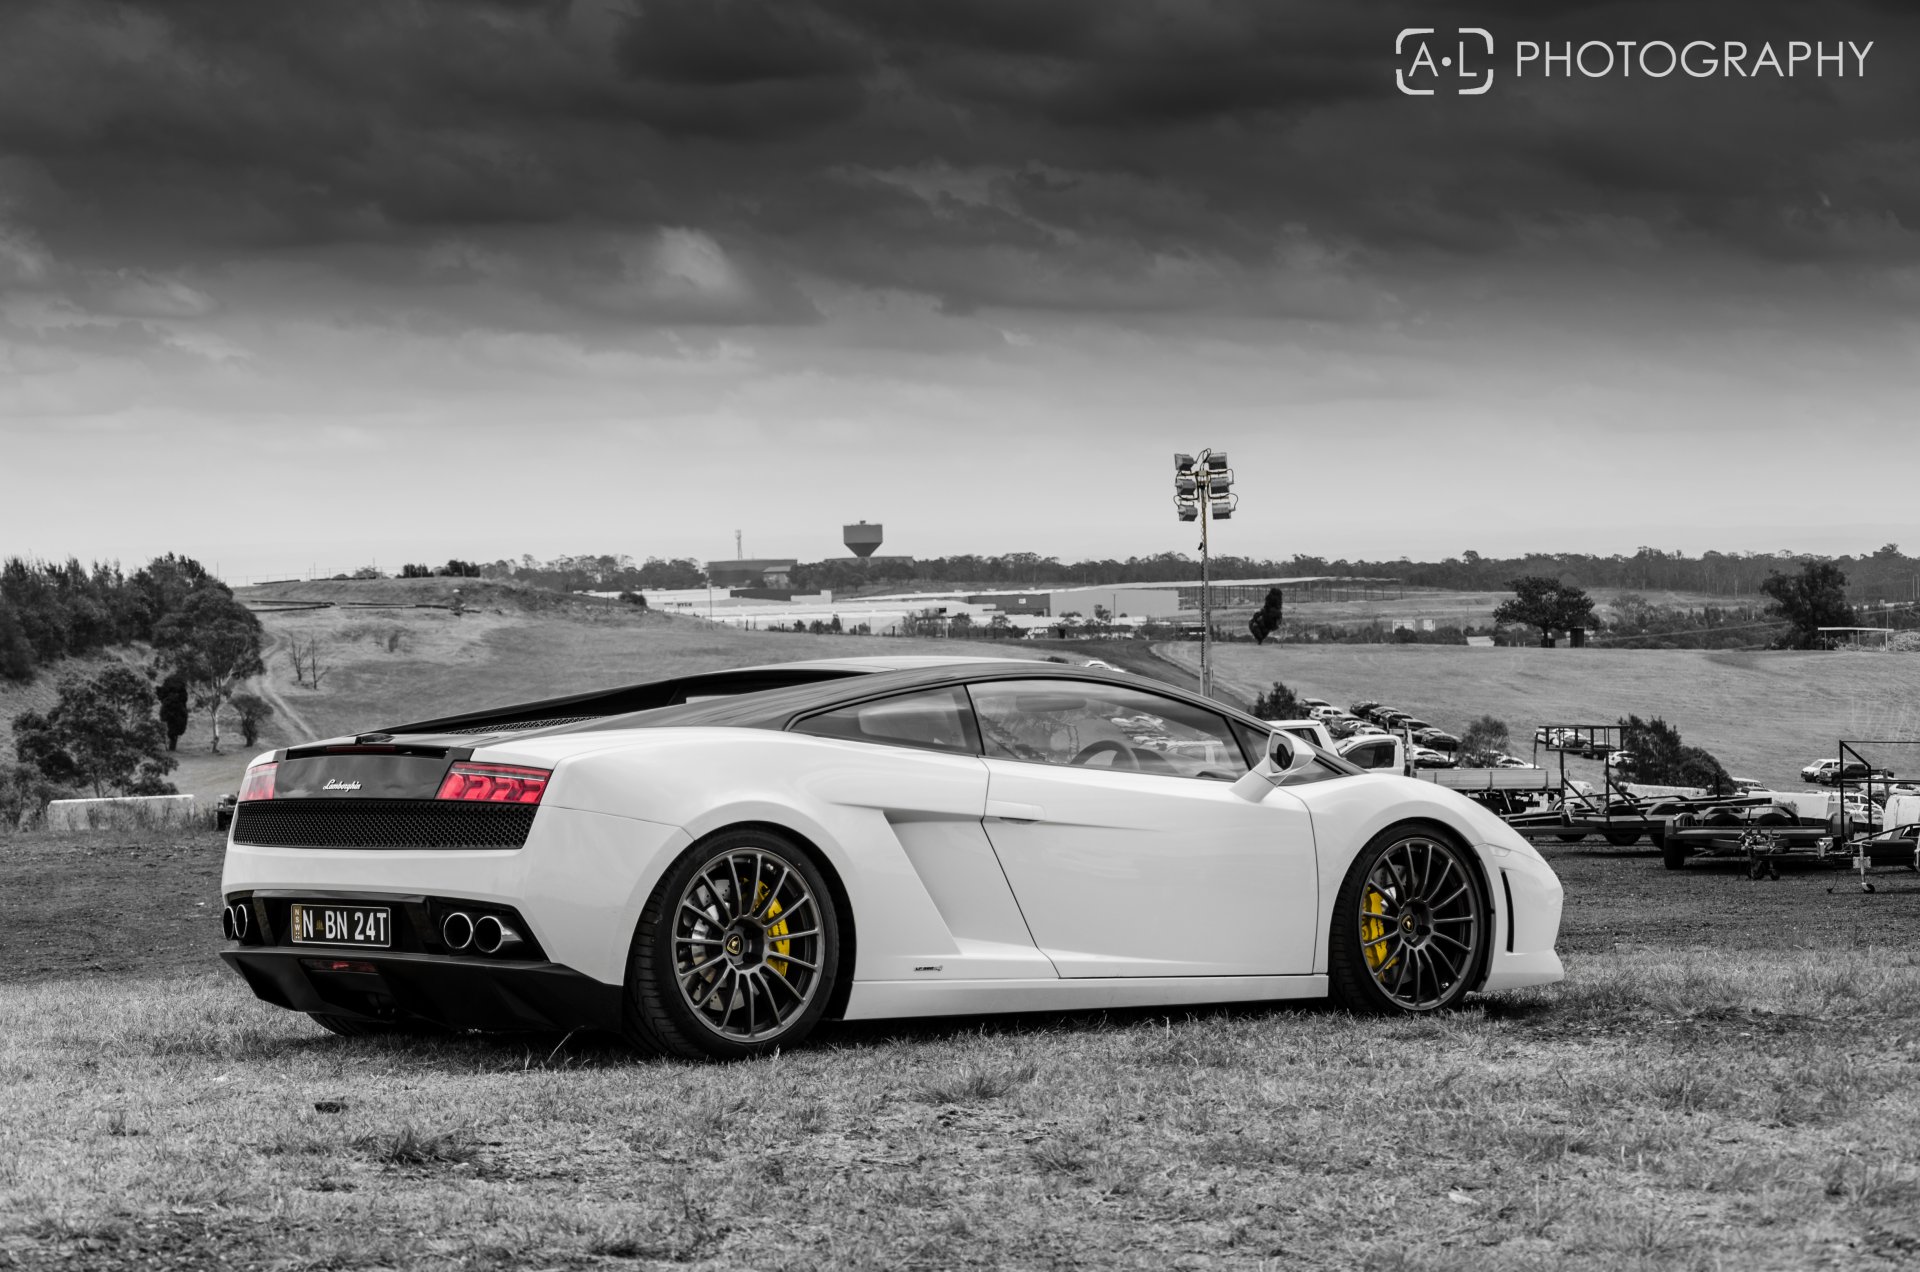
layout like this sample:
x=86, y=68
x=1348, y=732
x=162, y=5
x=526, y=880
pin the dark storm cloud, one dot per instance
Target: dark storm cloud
x=1064, y=153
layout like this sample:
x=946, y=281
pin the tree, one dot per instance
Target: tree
x=214, y=643
x=1814, y=598
x=1267, y=619
x=307, y=667
x=1483, y=739
x=1660, y=758
x=16, y=651
x=24, y=793
x=173, y=707
x=253, y=711
x=1546, y=603
x=99, y=733
x=163, y=586
x=1279, y=703
x=413, y=571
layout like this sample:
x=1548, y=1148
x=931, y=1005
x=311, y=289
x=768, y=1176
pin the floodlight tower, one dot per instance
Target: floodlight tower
x=1203, y=489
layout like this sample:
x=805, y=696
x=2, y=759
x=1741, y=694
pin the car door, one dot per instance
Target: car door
x=1112, y=812
x=914, y=780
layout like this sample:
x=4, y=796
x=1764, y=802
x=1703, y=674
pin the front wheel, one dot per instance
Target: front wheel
x=1411, y=925
x=736, y=952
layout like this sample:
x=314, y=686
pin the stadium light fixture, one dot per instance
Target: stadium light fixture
x=1203, y=490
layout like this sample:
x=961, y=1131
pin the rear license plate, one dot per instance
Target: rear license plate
x=364, y=925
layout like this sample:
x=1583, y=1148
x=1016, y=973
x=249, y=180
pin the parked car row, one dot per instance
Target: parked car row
x=1830, y=772
x=1434, y=747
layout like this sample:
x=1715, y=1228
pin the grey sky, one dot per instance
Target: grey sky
x=303, y=285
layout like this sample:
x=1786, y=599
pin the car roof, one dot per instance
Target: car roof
x=624, y=700
x=779, y=708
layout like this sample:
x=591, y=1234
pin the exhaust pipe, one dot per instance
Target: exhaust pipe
x=237, y=920
x=226, y=923
x=491, y=936
x=457, y=930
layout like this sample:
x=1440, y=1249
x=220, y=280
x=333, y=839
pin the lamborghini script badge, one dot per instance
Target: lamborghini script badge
x=335, y=784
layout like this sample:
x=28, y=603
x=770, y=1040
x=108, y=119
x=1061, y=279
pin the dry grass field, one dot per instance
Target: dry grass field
x=1763, y=713
x=1729, y=1079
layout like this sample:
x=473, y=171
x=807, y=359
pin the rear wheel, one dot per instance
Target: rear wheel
x=1622, y=838
x=736, y=952
x=1673, y=854
x=1410, y=925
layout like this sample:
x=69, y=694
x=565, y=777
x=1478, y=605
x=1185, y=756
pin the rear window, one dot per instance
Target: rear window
x=936, y=720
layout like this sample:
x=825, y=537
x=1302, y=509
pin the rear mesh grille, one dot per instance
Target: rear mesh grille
x=521, y=724
x=381, y=823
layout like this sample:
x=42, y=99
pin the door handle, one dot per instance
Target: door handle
x=1007, y=810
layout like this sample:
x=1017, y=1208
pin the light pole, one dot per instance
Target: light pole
x=1203, y=489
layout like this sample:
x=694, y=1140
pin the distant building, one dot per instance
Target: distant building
x=755, y=572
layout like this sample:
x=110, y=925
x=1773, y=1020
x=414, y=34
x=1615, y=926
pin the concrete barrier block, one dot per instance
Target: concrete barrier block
x=124, y=812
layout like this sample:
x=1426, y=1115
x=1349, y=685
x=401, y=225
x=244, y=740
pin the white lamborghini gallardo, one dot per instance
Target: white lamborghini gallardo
x=714, y=864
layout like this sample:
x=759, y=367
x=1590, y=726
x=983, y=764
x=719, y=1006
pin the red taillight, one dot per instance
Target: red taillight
x=494, y=783
x=258, y=783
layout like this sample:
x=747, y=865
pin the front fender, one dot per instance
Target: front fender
x=1349, y=812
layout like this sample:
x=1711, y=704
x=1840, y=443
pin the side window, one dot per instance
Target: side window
x=1373, y=755
x=1083, y=725
x=940, y=720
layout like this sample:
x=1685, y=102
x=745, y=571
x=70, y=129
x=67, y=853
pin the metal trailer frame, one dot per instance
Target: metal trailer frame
x=1835, y=840
x=1761, y=846
x=1602, y=814
x=1877, y=841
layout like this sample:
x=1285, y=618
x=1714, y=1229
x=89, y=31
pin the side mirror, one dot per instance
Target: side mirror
x=1285, y=756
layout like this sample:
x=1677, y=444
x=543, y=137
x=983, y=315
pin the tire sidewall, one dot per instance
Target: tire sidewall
x=652, y=995
x=1356, y=988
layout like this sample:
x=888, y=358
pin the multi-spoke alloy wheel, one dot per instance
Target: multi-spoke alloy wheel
x=1410, y=925
x=736, y=951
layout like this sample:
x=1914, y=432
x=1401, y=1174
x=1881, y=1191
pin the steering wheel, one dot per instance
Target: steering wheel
x=1120, y=751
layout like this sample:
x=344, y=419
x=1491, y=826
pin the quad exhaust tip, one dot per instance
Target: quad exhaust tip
x=491, y=936
x=457, y=930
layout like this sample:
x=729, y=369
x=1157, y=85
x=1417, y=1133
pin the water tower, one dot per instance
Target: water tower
x=862, y=539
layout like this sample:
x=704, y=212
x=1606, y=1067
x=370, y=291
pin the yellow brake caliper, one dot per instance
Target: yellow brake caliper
x=1373, y=932
x=774, y=931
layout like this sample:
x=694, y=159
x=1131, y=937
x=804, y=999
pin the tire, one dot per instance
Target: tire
x=1622, y=838
x=1673, y=854
x=707, y=972
x=1571, y=836
x=1412, y=906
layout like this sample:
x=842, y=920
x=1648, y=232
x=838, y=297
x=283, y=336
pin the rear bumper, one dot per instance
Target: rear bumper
x=455, y=992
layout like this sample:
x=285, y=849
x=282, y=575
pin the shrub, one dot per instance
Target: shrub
x=1278, y=703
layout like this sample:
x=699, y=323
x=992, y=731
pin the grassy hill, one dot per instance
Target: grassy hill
x=386, y=665
x=1763, y=713
x=385, y=659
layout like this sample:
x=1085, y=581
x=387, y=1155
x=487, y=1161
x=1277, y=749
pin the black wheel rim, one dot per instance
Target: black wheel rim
x=747, y=945
x=1421, y=921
